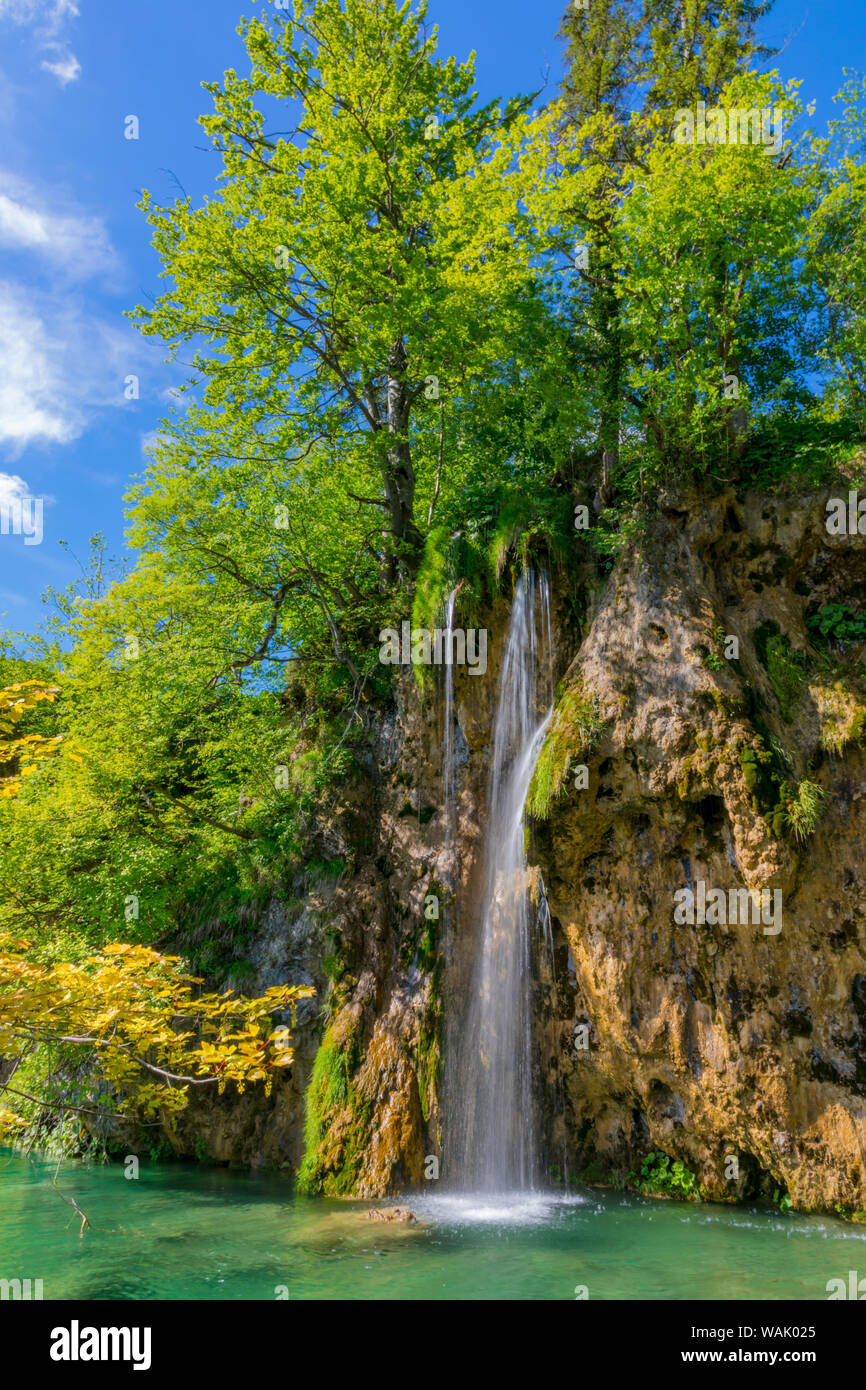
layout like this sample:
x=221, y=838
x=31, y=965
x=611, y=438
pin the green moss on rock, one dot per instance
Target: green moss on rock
x=337, y=1126
x=842, y=713
x=785, y=666
x=574, y=730
x=429, y=1063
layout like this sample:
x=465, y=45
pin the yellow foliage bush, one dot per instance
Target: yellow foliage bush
x=138, y=1018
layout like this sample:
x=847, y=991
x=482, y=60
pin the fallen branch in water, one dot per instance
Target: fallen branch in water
x=70, y=1201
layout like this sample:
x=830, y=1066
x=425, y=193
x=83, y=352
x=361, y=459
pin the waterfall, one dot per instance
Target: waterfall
x=491, y=1123
x=449, y=770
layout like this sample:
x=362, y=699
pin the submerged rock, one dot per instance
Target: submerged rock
x=390, y=1214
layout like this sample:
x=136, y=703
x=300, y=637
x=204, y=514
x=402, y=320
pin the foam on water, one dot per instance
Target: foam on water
x=494, y=1208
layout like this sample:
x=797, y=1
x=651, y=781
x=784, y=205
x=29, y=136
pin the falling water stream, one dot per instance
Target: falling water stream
x=449, y=768
x=492, y=1138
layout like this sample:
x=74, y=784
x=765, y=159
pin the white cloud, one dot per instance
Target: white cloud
x=66, y=68
x=48, y=19
x=29, y=404
x=22, y=512
x=60, y=9
x=60, y=362
x=12, y=489
x=58, y=366
x=75, y=244
x=51, y=13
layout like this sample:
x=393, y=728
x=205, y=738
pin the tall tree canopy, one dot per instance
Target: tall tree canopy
x=630, y=64
x=321, y=276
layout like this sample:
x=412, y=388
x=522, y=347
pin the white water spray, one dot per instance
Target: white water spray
x=491, y=1130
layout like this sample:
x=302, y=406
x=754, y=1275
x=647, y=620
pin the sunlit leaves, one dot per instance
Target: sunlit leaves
x=142, y=1024
x=22, y=753
x=836, y=261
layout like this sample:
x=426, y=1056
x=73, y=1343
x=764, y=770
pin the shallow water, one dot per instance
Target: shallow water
x=187, y=1232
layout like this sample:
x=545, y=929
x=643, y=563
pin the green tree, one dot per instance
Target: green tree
x=836, y=261
x=629, y=65
x=713, y=300
x=319, y=276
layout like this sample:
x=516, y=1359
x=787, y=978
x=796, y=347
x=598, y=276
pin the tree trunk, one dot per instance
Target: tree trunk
x=399, y=473
x=604, y=314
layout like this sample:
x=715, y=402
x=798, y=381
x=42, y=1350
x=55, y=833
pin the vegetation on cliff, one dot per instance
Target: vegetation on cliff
x=574, y=729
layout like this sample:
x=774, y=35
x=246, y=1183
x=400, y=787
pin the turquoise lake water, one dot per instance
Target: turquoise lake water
x=187, y=1232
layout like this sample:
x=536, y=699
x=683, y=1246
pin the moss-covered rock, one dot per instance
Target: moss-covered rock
x=574, y=729
x=337, y=1122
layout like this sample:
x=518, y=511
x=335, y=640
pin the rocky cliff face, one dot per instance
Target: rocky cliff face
x=719, y=1041
x=713, y=1041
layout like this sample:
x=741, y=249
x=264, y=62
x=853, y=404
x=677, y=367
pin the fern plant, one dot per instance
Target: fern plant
x=473, y=549
x=803, y=805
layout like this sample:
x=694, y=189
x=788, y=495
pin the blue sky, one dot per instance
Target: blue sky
x=75, y=251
